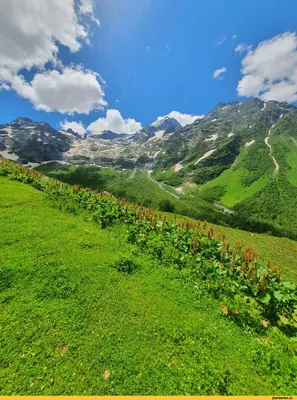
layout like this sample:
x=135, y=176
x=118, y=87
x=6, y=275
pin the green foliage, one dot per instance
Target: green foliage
x=166, y=206
x=6, y=278
x=143, y=159
x=72, y=325
x=212, y=166
x=257, y=163
x=213, y=193
x=126, y=266
x=218, y=261
x=206, y=174
x=136, y=187
x=169, y=158
x=273, y=206
x=169, y=177
x=224, y=155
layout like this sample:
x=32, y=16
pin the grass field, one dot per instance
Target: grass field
x=139, y=187
x=235, y=192
x=73, y=324
x=280, y=251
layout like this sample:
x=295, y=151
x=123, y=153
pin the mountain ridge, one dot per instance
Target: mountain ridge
x=241, y=156
x=161, y=140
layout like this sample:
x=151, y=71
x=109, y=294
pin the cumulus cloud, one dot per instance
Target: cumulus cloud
x=270, y=71
x=183, y=119
x=218, y=73
x=114, y=122
x=74, y=90
x=30, y=32
x=31, y=29
x=75, y=126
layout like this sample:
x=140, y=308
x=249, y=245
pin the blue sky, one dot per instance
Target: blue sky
x=155, y=56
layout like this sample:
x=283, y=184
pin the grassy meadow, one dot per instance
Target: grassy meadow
x=72, y=323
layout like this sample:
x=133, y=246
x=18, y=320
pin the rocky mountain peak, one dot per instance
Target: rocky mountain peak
x=108, y=135
x=22, y=121
x=167, y=124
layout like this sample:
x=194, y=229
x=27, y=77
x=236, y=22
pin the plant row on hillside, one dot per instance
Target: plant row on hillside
x=252, y=291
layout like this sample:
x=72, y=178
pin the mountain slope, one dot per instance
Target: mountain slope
x=74, y=310
x=239, y=156
x=29, y=141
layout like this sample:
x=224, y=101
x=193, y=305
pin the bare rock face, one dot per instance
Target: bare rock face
x=29, y=141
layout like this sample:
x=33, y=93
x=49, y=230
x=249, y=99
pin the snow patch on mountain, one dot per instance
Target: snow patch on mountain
x=212, y=138
x=177, y=167
x=248, y=144
x=9, y=156
x=207, y=154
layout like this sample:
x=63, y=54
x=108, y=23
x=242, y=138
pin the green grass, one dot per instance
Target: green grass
x=14, y=193
x=235, y=192
x=142, y=189
x=135, y=187
x=68, y=317
x=280, y=251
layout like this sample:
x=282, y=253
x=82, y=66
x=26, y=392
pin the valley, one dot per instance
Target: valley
x=217, y=168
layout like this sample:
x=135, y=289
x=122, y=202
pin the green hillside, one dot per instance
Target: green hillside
x=135, y=186
x=234, y=164
x=139, y=188
x=85, y=311
x=244, y=178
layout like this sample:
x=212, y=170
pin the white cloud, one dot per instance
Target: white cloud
x=74, y=90
x=250, y=85
x=217, y=74
x=183, y=119
x=86, y=7
x=242, y=47
x=221, y=40
x=234, y=37
x=114, y=122
x=30, y=32
x=31, y=29
x=168, y=48
x=270, y=71
x=75, y=126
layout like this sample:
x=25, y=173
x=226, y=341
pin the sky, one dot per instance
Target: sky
x=95, y=65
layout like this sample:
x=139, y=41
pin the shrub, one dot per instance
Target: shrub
x=166, y=206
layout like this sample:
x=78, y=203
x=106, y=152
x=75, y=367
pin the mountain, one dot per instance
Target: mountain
x=157, y=129
x=108, y=135
x=240, y=159
x=29, y=141
x=26, y=141
x=202, y=150
x=216, y=139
